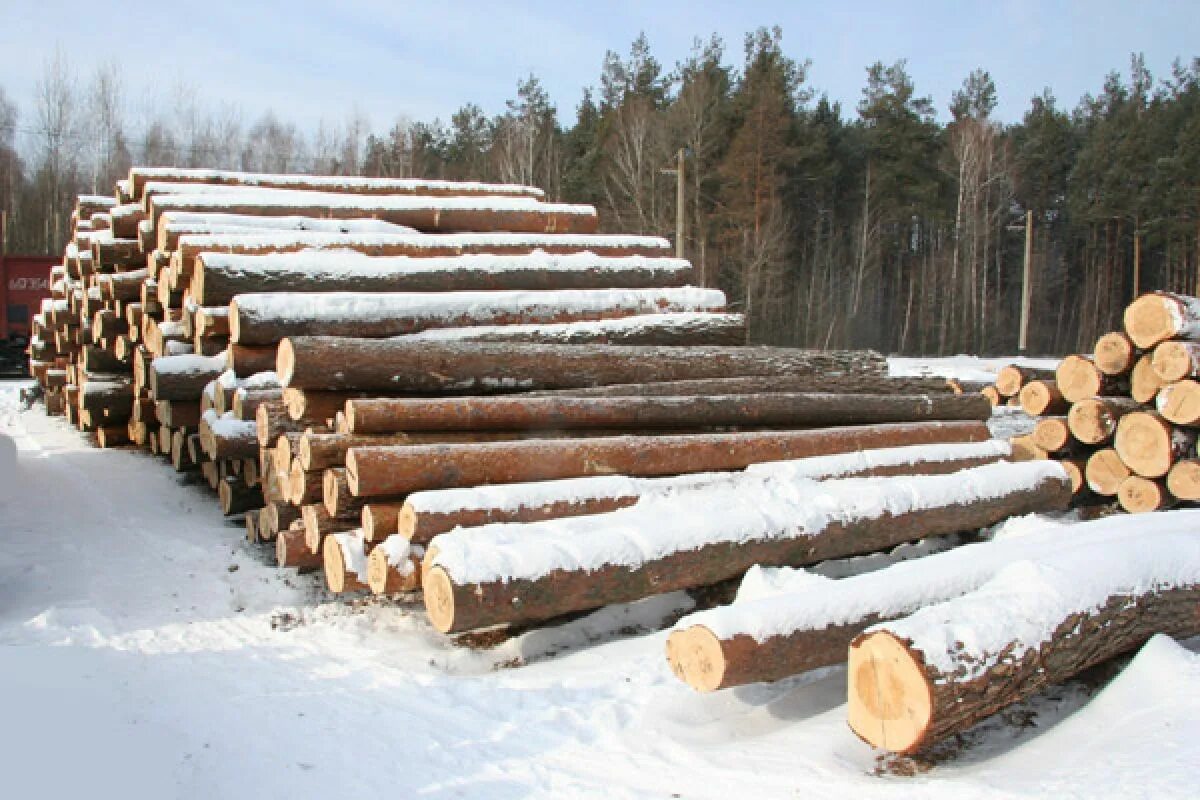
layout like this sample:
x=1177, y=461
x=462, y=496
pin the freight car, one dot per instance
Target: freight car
x=24, y=282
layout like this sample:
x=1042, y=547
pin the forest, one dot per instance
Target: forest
x=875, y=226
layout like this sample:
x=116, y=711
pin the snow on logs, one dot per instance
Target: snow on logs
x=807, y=621
x=424, y=213
x=398, y=470
x=267, y=318
x=399, y=365
x=515, y=412
x=218, y=277
x=510, y=574
x=674, y=329
x=919, y=679
x=426, y=514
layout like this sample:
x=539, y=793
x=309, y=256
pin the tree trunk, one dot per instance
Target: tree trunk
x=394, y=365
x=787, y=532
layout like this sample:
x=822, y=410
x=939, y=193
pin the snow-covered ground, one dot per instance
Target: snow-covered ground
x=146, y=651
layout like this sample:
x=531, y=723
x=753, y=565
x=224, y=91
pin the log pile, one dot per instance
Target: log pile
x=338, y=357
x=1123, y=419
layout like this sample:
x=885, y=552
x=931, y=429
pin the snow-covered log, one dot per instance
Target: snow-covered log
x=397, y=470
x=224, y=436
x=399, y=365
x=426, y=514
x=219, y=277
x=344, y=557
x=806, y=621
x=172, y=226
x=268, y=318
x=675, y=329
x=444, y=214
x=477, y=577
x=183, y=377
x=394, y=566
x=1159, y=316
x=917, y=680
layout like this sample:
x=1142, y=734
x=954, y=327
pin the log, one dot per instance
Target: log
x=247, y=360
x=674, y=329
x=1174, y=361
x=992, y=395
x=561, y=566
x=424, y=515
x=94, y=360
x=271, y=421
x=1024, y=448
x=345, y=560
x=1144, y=382
x=1180, y=402
x=1078, y=379
x=1105, y=472
x=112, y=436
x=304, y=487
x=291, y=551
x=787, y=622
x=1138, y=495
x=246, y=401
x=1115, y=353
x=177, y=413
x=908, y=689
x=251, y=521
x=1159, y=316
x=640, y=413
x=1052, y=434
x=219, y=277
x=1075, y=467
x=224, y=437
x=183, y=377
x=394, y=365
x=318, y=523
x=444, y=214
x=100, y=396
x=267, y=318
x=394, y=566
x=1183, y=480
x=302, y=405
x=1094, y=420
x=398, y=470
x=1010, y=379
x=236, y=497
x=379, y=520
x=276, y=518
x=1149, y=444
x=867, y=381
x=336, y=495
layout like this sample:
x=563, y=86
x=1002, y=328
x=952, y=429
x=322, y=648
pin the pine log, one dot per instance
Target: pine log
x=992, y=395
x=247, y=360
x=226, y=437
x=97, y=360
x=218, y=277
x=112, y=436
x=719, y=537
x=1078, y=379
x=301, y=404
x=796, y=621
x=236, y=497
x=379, y=520
x=183, y=377
x=1010, y=379
x=318, y=523
x=908, y=689
x=99, y=396
x=291, y=550
x=426, y=514
x=304, y=487
x=271, y=421
x=246, y=401
x=268, y=318
x=1159, y=316
x=1052, y=434
x=336, y=495
x=275, y=518
x=640, y=413
x=394, y=365
x=1144, y=382
x=1024, y=448
x=181, y=459
x=1075, y=467
x=345, y=561
x=1138, y=495
x=381, y=471
x=1105, y=472
x=1094, y=420
x=1180, y=402
x=251, y=521
x=1149, y=444
x=394, y=566
x=1183, y=481
x=1115, y=353
x=178, y=413
x=674, y=329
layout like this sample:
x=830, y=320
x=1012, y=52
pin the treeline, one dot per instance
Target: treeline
x=875, y=226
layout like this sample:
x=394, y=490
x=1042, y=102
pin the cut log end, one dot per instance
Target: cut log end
x=1039, y=398
x=1180, y=402
x=1105, y=472
x=1183, y=481
x=1078, y=378
x=890, y=703
x=1173, y=361
x=992, y=394
x=1052, y=434
x=439, y=598
x=384, y=577
x=1151, y=319
x=1139, y=495
x=696, y=658
x=1115, y=353
x=337, y=577
x=1149, y=444
x=1144, y=382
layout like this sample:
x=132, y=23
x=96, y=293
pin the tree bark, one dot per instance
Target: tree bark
x=394, y=365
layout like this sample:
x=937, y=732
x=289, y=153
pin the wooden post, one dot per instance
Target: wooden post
x=679, y=185
x=1026, y=285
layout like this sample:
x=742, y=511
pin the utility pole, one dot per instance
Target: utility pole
x=1137, y=256
x=1026, y=285
x=679, y=198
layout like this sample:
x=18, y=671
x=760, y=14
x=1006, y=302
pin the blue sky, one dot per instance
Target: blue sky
x=312, y=60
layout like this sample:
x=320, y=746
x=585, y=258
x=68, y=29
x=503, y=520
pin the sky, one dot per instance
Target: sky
x=311, y=60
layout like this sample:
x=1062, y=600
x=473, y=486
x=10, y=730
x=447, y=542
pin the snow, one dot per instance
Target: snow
x=225, y=197
x=219, y=222
x=967, y=368
x=734, y=514
x=581, y=241
x=1039, y=596
x=188, y=364
x=781, y=601
x=136, y=664
x=566, y=332
x=354, y=556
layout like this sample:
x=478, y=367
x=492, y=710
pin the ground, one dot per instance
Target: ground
x=148, y=652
